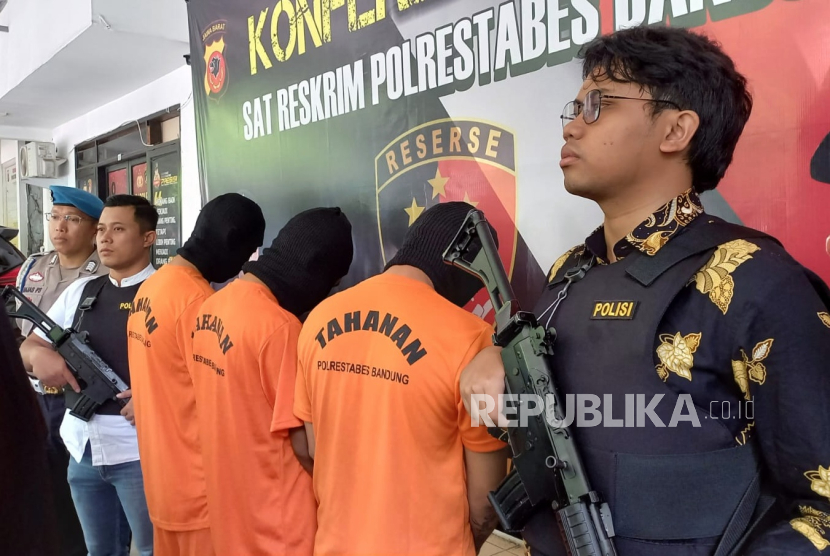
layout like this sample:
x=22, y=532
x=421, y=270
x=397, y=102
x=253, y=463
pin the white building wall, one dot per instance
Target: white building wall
x=174, y=88
x=8, y=150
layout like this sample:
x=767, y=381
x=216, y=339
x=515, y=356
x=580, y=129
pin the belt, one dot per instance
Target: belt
x=41, y=388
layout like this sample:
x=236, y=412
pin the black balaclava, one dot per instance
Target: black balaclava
x=424, y=246
x=229, y=229
x=309, y=255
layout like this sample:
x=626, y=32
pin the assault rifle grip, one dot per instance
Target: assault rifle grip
x=547, y=469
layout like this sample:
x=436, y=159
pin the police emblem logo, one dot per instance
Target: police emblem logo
x=36, y=277
x=449, y=160
x=216, y=69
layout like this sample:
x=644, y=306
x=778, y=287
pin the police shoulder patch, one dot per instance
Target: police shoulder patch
x=91, y=266
x=23, y=273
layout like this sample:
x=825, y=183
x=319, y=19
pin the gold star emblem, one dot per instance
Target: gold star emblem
x=468, y=201
x=414, y=211
x=438, y=183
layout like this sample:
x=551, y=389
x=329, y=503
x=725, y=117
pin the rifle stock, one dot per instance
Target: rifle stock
x=547, y=468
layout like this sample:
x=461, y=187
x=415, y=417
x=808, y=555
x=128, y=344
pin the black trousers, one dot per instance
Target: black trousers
x=71, y=537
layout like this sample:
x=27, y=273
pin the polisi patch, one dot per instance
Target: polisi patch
x=36, y=277
x=614, y=310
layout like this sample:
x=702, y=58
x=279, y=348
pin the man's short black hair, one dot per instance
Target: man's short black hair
x=690, y=70
x=145, y=214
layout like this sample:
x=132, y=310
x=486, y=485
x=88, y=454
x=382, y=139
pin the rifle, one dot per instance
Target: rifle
x=97, y=380
x=547, y=468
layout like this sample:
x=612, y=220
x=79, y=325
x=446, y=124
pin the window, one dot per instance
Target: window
x=140, y=158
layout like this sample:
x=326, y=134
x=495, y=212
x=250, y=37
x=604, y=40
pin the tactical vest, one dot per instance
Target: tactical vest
x=683, y=491
x=43, y=280
x=106, y=323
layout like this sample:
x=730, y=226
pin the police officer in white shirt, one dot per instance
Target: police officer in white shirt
x=104, y=470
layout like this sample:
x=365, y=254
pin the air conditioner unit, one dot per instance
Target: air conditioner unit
x=39, y=160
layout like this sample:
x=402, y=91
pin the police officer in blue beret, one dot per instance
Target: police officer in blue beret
x=73, y=223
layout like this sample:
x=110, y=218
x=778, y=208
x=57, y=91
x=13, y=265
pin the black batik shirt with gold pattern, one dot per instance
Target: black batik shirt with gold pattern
x=749, y=326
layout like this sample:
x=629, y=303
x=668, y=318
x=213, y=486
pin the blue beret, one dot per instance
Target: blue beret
x=87, y=203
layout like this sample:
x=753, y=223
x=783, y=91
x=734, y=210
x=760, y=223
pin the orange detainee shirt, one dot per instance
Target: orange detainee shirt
x=159, y=346
x=244, y=367
x=378, y=374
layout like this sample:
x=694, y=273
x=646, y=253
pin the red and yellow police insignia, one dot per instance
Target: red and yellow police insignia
x=216, y=69
x=36, y=277
x=449, y=160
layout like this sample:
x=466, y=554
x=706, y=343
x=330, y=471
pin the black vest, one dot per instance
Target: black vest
x=106, y=323
x=671, y=491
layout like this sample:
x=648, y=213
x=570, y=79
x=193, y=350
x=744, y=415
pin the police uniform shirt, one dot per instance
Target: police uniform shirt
x=748, y=338
x=112, y=438
x=42, y=280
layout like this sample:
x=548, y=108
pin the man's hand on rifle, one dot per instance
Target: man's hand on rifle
x=46, y=364
x=483, y=377
x=127, y=411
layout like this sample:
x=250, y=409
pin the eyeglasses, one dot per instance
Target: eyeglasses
x=590, y=107
x=70, y=218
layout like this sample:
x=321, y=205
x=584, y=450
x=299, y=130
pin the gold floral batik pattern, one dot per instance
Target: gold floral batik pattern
x=825, y=318
x=676, y=354
x=745, y=434
x=820, y=481
x=814, y=525
x=753, y=370
x=557, y=266
x=715, y=278
x=655, y=232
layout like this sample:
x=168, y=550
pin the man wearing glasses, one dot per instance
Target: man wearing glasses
x=43, y=278
x=714, y=314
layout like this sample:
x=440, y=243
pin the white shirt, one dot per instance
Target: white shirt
x=112, y=439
